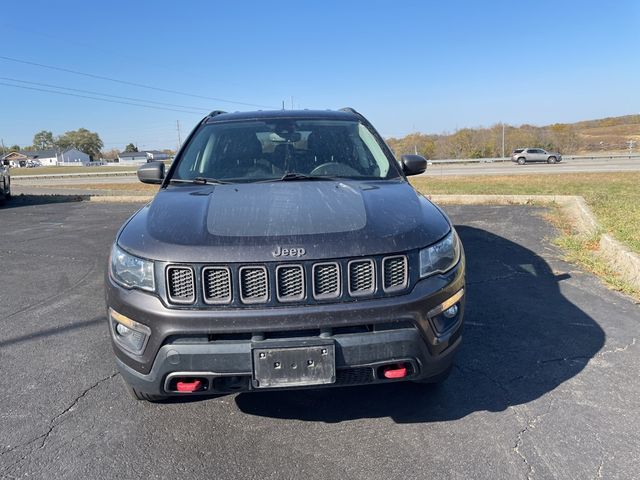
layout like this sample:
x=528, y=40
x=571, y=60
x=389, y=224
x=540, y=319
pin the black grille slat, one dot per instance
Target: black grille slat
x=290, y=280
x=326, y=280
x=254, y=285
x=216, y=284
x=181, y=285
x=361, y=277
x=395, y=273
x=273, y=283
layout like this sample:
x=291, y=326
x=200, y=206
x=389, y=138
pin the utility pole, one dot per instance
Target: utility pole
x=282, y=104
x=503, y=140
x=178, y=129
x=291, y=102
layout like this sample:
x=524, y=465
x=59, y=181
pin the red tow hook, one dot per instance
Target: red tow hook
x=189, y=386
x=395, y=371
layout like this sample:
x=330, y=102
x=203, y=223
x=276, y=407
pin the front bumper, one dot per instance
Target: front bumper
x=217, y=344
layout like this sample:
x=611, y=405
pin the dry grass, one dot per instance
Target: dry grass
x=119, y=187
x=23, y=172
x=613, y=197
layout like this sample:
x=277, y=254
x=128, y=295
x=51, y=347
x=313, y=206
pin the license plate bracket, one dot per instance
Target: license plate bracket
x=294, y=366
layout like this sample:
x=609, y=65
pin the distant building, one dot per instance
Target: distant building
x=133, y=158
x=49, y=157
x=73, y=156
x=156, y=155
x=142, y=156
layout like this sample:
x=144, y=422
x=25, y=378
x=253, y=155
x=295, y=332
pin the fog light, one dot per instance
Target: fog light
x=129, y=334
x=451, y=311
x=445, y=315
x=122, y=330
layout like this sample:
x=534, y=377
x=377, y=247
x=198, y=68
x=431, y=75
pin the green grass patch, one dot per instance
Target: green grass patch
x=613, y=197
x=583, y=251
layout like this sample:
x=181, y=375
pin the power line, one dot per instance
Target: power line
x=97, y=98
x=124, y=82
x=105, y=94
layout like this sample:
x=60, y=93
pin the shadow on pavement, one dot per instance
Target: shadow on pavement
x=522, y=339
x=25, y=200
x=50, y=332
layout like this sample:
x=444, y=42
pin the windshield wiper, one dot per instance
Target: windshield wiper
x=199, y=180
x=303, y=176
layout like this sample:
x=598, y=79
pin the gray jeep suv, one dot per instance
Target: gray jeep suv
x=524, y=155
x=284, y=249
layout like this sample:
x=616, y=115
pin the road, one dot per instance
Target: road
x=24, y=184
x=546, y=383
x=510, y=168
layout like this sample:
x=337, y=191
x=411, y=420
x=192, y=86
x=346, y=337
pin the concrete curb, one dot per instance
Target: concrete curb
x=622, y=258
x=619, y=256
x=119, y=198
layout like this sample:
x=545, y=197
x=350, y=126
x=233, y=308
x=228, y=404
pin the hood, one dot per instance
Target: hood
x=249, y=222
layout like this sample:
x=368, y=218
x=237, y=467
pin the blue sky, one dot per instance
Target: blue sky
x=408, y=66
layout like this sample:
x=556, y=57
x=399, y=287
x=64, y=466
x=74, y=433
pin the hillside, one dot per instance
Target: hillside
x=610, y=135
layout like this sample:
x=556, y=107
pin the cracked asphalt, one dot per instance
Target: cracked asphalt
x=545, y=386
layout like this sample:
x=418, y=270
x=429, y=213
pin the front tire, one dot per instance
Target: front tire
x=552, y=160
x=521, y=161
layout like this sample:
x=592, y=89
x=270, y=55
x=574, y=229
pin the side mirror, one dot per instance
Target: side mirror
x=152, y=172
x=413, y=164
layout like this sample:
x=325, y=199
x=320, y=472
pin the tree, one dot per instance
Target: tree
x=43, y=140
x=83, y=140
x=14, y=148
x=110, y=155
x=131, y=148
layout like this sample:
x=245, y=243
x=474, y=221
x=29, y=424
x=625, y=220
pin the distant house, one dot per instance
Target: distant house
x=133, y=158
x=49, y=157
x=142, y=156
x=156, y=155
x=74, y=156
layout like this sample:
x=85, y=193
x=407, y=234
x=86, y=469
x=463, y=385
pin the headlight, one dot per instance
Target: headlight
x=130, y=271
x=440, y=257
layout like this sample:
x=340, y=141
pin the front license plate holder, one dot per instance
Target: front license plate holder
x=294, y=366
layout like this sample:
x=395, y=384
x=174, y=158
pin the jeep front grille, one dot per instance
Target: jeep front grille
x=254, y=286
x=362, y=280
x=180, y=285
x=395, y=273
x=290, y=282
x=272, y=283
x=326, y=281
x=216, y=285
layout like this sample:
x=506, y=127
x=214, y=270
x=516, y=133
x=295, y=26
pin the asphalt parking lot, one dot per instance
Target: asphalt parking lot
x=546, y=384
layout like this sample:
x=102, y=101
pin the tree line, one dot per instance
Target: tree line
x=81, y=139
x=487, y=142
x=591, y=135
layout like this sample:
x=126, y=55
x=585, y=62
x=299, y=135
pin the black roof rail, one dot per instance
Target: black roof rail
x=216, y=113
x=350, y=110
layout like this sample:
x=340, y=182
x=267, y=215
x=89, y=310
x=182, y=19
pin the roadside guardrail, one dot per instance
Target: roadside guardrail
x=632, y=156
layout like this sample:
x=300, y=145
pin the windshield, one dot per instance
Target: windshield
x=274, y=149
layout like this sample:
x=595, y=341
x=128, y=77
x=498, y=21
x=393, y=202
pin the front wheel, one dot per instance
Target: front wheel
x=552, y=160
